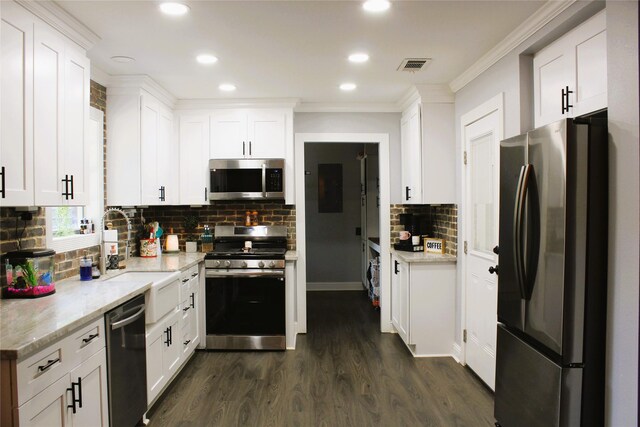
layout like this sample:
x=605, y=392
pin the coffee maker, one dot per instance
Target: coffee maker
x=416, y=225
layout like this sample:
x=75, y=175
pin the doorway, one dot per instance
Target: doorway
x=482, y=130
x=302, y=141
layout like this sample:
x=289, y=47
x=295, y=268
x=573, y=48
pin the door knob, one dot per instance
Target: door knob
x=493, y=270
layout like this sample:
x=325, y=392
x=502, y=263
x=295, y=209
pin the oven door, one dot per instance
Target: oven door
x=248, y=179
x=245, y=311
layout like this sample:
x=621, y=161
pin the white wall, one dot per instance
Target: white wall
x=359, y=123
x=624, y=234
x=624, y=208
x=333, y=248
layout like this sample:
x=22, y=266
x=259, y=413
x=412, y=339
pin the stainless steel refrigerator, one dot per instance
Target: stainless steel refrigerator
x=552, y=276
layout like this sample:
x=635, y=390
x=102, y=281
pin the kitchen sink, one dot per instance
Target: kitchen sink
x=164, y=294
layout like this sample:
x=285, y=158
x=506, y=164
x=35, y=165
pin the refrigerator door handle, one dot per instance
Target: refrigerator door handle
x=518, y=224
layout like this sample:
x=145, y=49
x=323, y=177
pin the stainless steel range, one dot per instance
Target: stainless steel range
x=245, y=288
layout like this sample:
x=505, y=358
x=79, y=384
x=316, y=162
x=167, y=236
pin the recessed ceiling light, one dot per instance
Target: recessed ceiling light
x=122, y=59
x=206, y=59
x=227, y=87
x=358, y=57
x=348, y=86
x=173, y=8
x=376, y=5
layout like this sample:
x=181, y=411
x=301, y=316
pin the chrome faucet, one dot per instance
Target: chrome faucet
x=103, y=264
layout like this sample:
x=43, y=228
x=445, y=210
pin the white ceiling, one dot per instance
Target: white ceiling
x=296, y=49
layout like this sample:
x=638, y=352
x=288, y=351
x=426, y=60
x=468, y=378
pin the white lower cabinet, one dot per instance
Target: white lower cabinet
x=423, y=305
x=64, y=384
x=163, y=352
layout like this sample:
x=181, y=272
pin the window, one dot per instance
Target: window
x=64, y=223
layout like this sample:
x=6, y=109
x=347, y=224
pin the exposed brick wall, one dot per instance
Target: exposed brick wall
x=444, y=220
x=222, y=213
x=67, y=264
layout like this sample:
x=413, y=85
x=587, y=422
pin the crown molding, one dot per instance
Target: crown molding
x=208, y=104
x=320, y=107
x=100, y=76
x=125, y=84
x=539, y=19
x=63, y=21
x=426, y=94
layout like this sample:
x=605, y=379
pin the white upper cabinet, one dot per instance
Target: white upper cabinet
x=142, y=152
x=254, y=133
x=45, y=114
x=16, y=112
x=194, y=159
x=427, y=144
x=570, y=75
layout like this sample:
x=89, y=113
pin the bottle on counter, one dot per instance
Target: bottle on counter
x=247, y=219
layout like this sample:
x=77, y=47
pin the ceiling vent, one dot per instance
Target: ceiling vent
x=414, y=64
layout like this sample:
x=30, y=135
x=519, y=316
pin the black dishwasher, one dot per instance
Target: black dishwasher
x=126, y=363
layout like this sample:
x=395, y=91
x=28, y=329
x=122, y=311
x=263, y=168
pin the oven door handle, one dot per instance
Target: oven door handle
x=128, y=320
x=242, y=273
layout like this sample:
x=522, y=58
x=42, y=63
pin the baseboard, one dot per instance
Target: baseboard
x=457, y=353
x=334, y=286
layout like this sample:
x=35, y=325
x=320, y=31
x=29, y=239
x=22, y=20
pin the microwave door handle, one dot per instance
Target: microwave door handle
x=264, y=180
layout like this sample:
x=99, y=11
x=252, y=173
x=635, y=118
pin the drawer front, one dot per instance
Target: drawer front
x=39, y=371
x=86, y=342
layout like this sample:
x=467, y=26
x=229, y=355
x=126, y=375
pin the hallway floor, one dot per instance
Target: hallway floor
x=344, y=372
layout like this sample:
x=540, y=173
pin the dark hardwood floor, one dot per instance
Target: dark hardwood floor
x=344, y=372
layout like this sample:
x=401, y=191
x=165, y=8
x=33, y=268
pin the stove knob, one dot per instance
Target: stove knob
x=218, y=263
x=227, y=263
x=272, y=264
x=261, y=264
x=244, y=264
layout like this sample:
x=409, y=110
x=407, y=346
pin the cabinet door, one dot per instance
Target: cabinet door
x=48, y=97
x=551, y=76
x=194, y=323
x=16, y=111
x=266, y=134
x=156, y=376
x=172, y=353
x=229, y=135
x=167, y=159
x=149, y=148
x=49, y=407
x=411, y=151
x=194, y=159
x=396, y=296
x=590, y=51
x=76, y=125
x=92, y=375
x=403, y=308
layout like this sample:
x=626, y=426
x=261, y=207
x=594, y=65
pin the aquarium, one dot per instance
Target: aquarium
x=28, y=273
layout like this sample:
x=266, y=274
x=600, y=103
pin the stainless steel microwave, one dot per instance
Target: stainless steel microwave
x=246, y=179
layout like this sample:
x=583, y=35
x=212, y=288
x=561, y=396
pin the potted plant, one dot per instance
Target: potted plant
x=190, y=225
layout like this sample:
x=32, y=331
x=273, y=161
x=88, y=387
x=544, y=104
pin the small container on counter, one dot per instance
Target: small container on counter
x=85, y=268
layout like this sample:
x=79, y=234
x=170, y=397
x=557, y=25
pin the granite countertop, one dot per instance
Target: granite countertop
x=28, y=325
x=424, y=258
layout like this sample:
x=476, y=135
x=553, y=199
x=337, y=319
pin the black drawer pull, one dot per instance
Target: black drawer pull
x=90, y=338
x=185, y=280
x=186, y=308
x=2, y=184
x=187, y=342
x=193, y=300
x=49, y=364
x=194, y=274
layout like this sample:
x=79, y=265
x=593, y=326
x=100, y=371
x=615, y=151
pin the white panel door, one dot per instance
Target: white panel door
x=411, y=152
x=166, y=158
x=76, y=125
x=229, y=134
x=482, y=145
x=95, y=405
x=48, y=132
x=16, y=110
x=266, y=134
x=590, y=50
x=551, y=76
x=49, y=407
x=194, y=159
x=149, y=147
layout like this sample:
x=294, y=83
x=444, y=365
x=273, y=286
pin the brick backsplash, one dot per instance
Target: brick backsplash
x=221, y=213
x=67, y=264
x=444, y=221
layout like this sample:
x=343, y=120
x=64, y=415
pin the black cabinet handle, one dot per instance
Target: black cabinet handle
x=161, y=189
x=493, y=270
x=79, y=392
x=89, y=338
x=185, y=280
x=167, y=342
x=73, y=397
x=170, y=335
x=406, y=193
x=565, y=100
x=193, y=300
x=395, y=267
x=186, y=308
x=377, y=201
x=2, y=183
x=205, y=194
x=496, y=250
x=49, y=364
x=194, y=274
x=71, y=187
x=187, y=342
x=65, y=193
x=243, y=152
x=249, y=147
